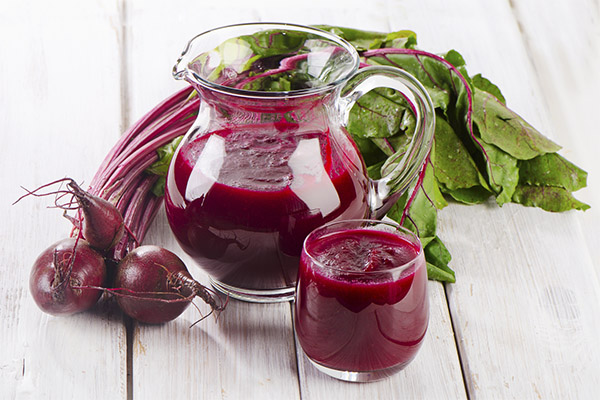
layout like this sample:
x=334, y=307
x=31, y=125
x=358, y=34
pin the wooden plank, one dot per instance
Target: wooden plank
x=531, y=334
x=563, y=43
x=60, y=113
x=525, y=304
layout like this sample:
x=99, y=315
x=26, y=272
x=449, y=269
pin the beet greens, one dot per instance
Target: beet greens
x=481, y=149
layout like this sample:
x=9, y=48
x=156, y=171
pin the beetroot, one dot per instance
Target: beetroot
x=66, y=277
x=102, y=224
x=154, y=286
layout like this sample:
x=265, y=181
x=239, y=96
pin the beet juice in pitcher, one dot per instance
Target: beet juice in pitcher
x=268, y=158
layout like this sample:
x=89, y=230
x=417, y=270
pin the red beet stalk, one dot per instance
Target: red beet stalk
x=121, y=178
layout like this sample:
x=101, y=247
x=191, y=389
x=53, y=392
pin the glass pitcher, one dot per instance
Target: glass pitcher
x=268, y=158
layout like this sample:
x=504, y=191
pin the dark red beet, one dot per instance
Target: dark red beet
x=103, y=225
x=154, y=286
x=63, y=284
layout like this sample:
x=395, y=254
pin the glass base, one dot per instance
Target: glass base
x=255, y=296
x=358, y=376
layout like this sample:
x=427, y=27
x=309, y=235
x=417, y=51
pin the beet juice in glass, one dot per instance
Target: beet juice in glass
x=361, y=309
x=269, y=159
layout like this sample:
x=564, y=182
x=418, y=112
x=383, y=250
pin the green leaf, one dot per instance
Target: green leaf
x=158, y=189
x=403, y=39
x=161, y=166
x=484, y=84
x=235, y=54
x=165, y=154
x=549, y=198
x=438, y=257
x=497, y=154
x=423, y=217
x=364, y=40
x=552, y=170
x=444, y=85
x=430, y=184
x=435, y=273
x=386, y=146
x=454, y=166
x=469, y=196
x=503, y=173
x=281, y=82
x=400, y=142
x=374, y=171
x=370, y=152
x=503, y=128
x=436, y=80
x=272, y=43
x=378, y=113
x=361, y=40
x=456, y=59
x=422, y=212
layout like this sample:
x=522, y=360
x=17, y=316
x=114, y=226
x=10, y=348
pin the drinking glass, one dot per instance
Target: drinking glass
x=361, y=310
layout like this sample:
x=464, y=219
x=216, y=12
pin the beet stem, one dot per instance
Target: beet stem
x=121, y=146
x=151, y=296
x=200, y=290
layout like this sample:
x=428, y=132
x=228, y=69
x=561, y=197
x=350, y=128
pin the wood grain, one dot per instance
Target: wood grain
x=563, y=43
x=60, y=113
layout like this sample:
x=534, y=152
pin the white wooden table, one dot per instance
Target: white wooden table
x=521, y=322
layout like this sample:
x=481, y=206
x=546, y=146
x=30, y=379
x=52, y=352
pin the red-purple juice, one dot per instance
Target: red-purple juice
x=350, y=321
x=241, y=201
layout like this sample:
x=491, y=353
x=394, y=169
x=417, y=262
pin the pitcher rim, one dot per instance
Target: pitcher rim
x=183, y=73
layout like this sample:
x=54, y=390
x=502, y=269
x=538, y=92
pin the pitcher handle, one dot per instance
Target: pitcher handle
x=396, y=180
